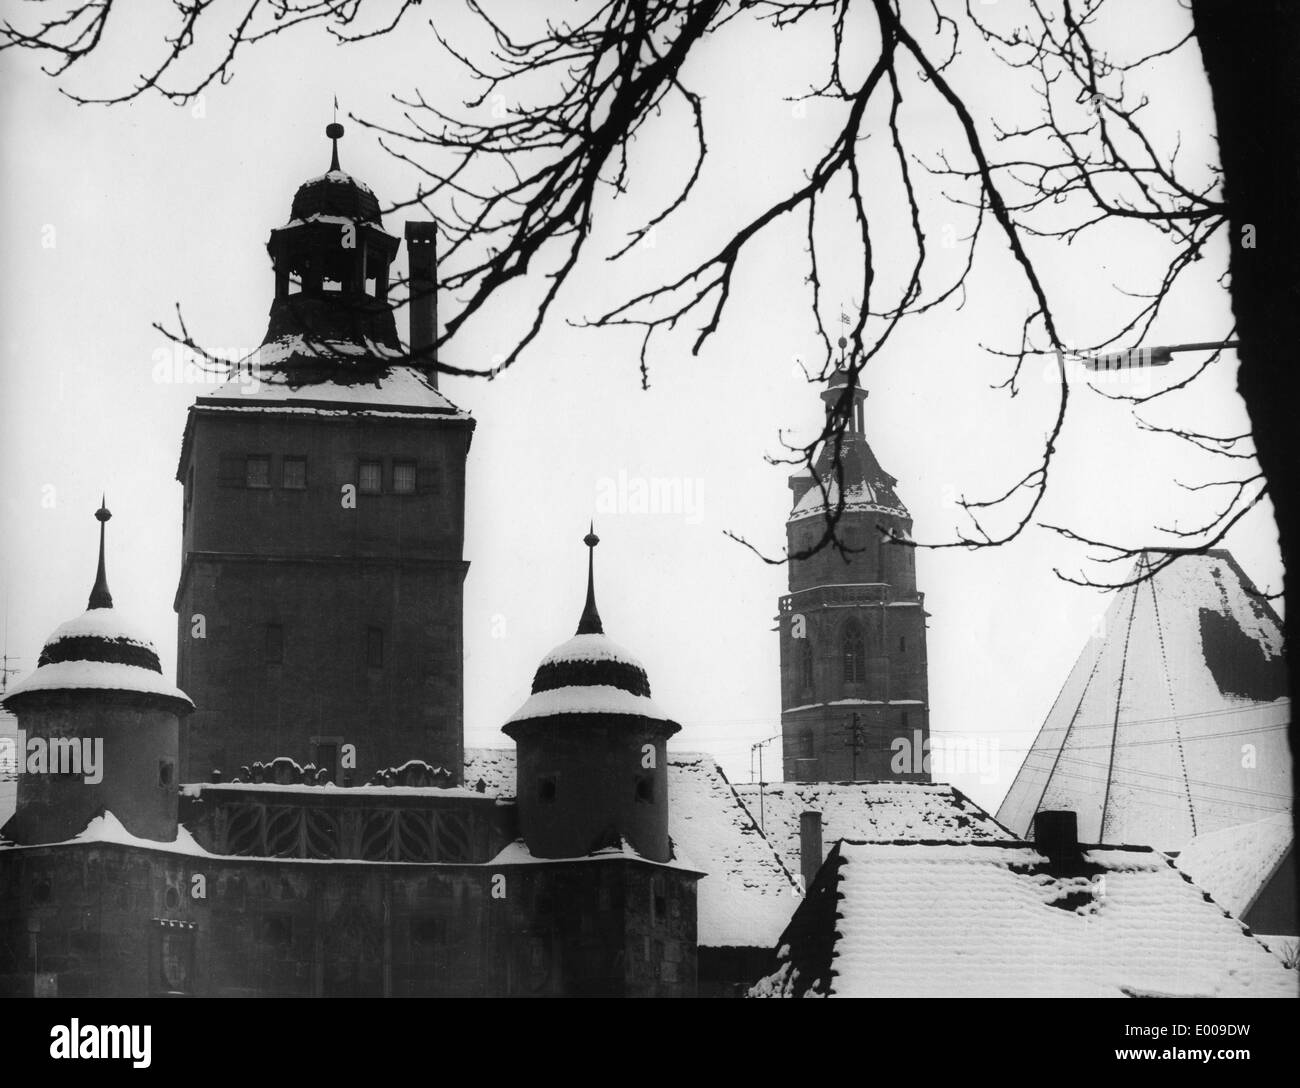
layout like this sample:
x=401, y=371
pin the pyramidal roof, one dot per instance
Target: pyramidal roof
x=1173, y=721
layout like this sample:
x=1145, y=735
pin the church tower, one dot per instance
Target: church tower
x=854, y=693
x=320, y=599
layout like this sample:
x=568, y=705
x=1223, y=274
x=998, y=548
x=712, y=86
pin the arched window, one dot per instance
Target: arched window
x=855, y=654
x=805, y=674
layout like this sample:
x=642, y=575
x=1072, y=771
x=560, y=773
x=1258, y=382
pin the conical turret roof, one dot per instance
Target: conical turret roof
x=590, y=673
x=99, y=651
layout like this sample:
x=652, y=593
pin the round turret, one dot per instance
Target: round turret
x=102, y=728
x=592, y=766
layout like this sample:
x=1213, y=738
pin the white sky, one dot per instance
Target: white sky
x=149, y=204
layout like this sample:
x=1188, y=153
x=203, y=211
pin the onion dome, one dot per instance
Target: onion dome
x=590, y=673
x=99, y=651
x=335, y=193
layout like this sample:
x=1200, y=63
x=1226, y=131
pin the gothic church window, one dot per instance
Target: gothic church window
x=805, y=654
x=855, y=665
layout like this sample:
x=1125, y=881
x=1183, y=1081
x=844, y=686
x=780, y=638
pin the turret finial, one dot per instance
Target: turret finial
x=590, y=623
x=99, y=595
x=335, y=132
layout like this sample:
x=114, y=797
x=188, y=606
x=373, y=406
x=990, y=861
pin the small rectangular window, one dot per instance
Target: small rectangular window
x=370, y=478
x=546, y=790
x=404, y=477
x=274, y=644
x=375, y=647
x=257, y=471
x=645, y=789
x=294, y=476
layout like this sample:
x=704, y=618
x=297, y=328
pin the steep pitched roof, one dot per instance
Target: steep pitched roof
x=1234, y=865
x=748, y=895
x=1173, y=722
x=995, y=920
x=868, y=811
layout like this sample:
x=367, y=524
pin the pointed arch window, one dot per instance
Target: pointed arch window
x=805, y=665
x=855, y=653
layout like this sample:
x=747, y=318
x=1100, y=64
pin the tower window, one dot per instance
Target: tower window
x=294, y=476
x=902, y=643
x=370, y=478
x=165, y=770
x=806, y=750
x=855, y=665
x=257, y=471
x=274, y=644
x=546, y=789
x=375, y=647
x=404, y=477
x=805, y=653
x=904, y=719
x=645, y=789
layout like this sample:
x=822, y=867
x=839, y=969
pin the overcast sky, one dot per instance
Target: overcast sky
x=112, y=216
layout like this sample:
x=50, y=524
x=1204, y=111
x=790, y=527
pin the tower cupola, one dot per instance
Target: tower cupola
x=332, y=263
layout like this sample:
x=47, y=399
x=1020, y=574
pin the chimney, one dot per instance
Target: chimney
x=1056, y=834
x=810, y=846
x=422, y=259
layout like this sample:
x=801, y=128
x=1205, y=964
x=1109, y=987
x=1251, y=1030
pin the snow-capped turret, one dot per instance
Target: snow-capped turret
x=592, y=747
x=102, y=727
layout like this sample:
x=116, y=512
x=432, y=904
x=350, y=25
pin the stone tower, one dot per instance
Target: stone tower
x=102, y=726
x=854, y=698
x=320, y=598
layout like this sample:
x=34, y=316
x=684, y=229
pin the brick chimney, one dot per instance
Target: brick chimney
x=810, y=846
x=1056, y=834
x=422, y=259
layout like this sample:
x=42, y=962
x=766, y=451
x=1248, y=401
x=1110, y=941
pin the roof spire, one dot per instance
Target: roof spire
x=99, y=595
x=590, y=623
x=335, y=132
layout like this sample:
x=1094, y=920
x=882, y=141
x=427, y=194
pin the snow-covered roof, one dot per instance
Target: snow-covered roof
x=868, y=811
x=517, y=853
x=587, y=699
x=97, y=676
x=991, y=920
x=590, y=648
x=98, y=651
x=1235, y=864
x=1173, y=723
x=747, y=895
x=395, y=390
x=103, y=623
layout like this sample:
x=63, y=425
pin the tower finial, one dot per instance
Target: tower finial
x=590, y=623
x=99, y=595
x=335, y=132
